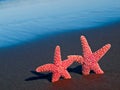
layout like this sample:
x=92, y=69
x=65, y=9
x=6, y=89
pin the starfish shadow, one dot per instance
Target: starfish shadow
x=77, y=69
x=39, y=76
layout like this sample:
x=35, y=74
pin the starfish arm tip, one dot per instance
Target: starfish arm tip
x=45, y=68
x=99, y=72
x=108, y=45
x=57, y=46
x=38, y=69
x=82, y=36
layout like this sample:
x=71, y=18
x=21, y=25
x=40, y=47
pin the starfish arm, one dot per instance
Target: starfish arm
x=101, y=52
x=85, y=70
x=66, y=75
x=76, y=58
x=66, y=63
x=45, y=68
x=85, y=46
x=57, y=55
x=97, y=69
x=55, y=77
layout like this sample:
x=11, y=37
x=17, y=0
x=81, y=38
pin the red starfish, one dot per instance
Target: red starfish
x=90, y=60
x=59, y=68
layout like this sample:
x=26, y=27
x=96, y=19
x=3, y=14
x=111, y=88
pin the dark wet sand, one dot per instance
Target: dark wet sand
x=17, y=64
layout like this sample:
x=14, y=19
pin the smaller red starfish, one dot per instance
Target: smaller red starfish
x=90, y=60
x=58, y=68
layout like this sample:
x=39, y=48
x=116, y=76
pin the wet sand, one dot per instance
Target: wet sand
x=18, y=63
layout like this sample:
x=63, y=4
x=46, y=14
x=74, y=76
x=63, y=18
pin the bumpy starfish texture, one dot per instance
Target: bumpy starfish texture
x=58, y=68
x=90, y=60
x=76, y=58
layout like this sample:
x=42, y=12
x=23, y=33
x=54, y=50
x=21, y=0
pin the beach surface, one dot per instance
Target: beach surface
x=18, y=63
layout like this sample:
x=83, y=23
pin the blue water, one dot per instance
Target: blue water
x=25, y=20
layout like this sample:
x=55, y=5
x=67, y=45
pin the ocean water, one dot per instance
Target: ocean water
x=26, y=20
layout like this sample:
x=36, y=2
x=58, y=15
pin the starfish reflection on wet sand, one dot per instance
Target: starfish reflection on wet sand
x=90, y=60
x=58, y=68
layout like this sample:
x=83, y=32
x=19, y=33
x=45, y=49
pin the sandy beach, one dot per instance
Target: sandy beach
x=18, y=63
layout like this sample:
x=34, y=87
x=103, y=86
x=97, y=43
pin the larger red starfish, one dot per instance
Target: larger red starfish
x=90, y=60
x=58, y=68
